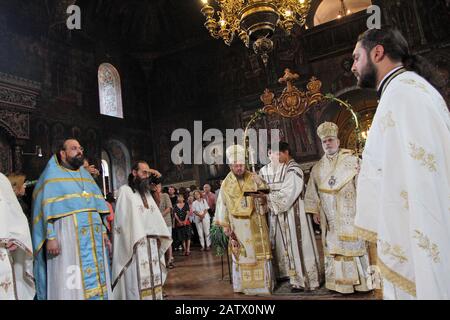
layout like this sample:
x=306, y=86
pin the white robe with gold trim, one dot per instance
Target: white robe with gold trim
x=331, y=194
x=141, y=239
x=403, y=192
x=273, y=176
x=16, y=268
x=252, y=271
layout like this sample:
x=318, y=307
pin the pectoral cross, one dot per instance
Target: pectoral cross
x=85, y=195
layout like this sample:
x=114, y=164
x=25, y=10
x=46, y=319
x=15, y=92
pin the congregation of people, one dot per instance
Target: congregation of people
x=73, y=242
x=384, y=217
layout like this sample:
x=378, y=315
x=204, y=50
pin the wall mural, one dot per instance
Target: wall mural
x=5, y=154
x=120, y=163
x=304, y=136
x=58, y=136
x=346, y=79
x=91, y=146
x=76, y=133
x=298, y=132
x=171, y=173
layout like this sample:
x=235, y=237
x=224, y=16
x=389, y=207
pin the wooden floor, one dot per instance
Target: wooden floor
x=199, y=276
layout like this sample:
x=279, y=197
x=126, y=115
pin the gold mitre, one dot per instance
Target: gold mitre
x=236, y=154
x=327, y=129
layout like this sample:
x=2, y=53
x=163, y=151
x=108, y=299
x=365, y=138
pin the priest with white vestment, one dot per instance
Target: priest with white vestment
x=141, y=239
x=16, y=253
x=331, y=198
x=291, y=229
x=403, y=201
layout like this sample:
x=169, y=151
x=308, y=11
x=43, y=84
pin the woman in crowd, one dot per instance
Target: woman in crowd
x=165, y=206
x=182, y=224
x=202, y=220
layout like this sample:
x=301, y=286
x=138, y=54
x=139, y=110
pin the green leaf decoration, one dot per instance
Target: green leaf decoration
x=219, y=240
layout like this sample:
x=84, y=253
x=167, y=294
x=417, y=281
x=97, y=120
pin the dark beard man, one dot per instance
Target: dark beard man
x=76, y=162
x=368, y=78
x=142, y=186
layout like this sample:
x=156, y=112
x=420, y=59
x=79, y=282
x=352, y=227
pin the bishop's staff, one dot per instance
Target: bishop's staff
x=261, y=188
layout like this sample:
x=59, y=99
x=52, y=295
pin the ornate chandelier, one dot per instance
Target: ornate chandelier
x=254, y=21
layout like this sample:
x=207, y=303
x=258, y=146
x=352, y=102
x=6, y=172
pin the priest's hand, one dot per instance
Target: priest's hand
x=93, y=171
x=53, y=247
x=227, y=231
x=316, y=218
x=155, y=173
x=11, y=247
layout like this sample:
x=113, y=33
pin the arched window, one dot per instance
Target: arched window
x=110, y=92
x=330, y=10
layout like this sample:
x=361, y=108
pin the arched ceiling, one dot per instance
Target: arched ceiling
x=329, y=10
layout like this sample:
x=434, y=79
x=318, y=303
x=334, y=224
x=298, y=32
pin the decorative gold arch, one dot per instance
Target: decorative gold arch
x=292, y=102
x=364, y=108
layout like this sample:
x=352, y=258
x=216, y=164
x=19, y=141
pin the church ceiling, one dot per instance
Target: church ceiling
x=152, y=27
x=143, y=25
